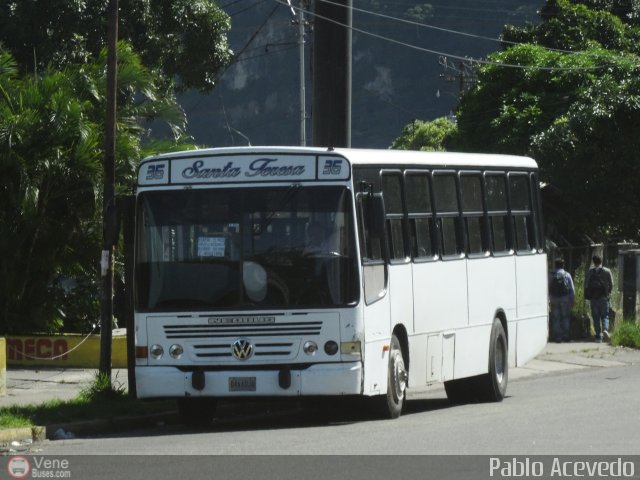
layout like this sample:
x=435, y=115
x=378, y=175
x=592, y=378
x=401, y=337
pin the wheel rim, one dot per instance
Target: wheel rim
x=399, y=376
x=499, y=360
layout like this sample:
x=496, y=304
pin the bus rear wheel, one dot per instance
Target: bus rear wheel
x=490, y=387
x=197, y=412
x=493, y=385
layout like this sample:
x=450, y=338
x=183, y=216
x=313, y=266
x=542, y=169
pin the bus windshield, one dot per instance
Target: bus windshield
x=245, y=248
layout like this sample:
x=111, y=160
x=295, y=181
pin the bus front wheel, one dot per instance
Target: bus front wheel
x=390, y=405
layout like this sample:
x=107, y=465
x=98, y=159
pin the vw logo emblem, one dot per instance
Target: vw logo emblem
x=242, y=349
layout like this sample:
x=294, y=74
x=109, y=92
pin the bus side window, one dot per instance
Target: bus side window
x=521, y=212
x=394, y=214
x=537, y=215
x=473, y=213
x=372, y=245
x=421, y=222
x=447, y=213
x=496, y=193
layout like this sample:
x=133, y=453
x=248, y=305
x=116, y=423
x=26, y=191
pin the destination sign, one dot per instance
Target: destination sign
x=243, y=168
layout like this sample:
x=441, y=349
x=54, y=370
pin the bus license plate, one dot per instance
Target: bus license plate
x=242, y=384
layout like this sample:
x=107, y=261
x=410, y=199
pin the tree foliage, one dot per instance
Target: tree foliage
x=576, y=111
x=426, y=136
x=51, y=150
x=184, y=39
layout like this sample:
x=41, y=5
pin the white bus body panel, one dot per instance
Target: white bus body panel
x=377, y=335
x=492, y=287
x=439, y=296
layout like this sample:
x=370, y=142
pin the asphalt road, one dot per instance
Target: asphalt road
x=587, y=411
x=573, y=399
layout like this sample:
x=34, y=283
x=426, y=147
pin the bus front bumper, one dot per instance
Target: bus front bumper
x=321, y=379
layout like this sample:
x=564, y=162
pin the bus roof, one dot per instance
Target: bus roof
x=360, y=156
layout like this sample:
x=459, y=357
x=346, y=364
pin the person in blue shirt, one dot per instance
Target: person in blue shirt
x=561, y=298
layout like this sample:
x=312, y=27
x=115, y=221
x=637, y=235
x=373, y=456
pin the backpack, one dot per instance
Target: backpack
x=596, y=288
x=559, y=286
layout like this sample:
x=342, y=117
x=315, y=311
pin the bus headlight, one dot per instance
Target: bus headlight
x=156, y=351
x=310, y=348
x=331, y=347
x=176, y=351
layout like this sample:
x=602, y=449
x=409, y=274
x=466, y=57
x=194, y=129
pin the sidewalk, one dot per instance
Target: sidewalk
x=26, y=386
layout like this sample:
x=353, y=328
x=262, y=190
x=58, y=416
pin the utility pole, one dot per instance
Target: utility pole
x=332, y=74
x=109, y=231
x=299, y=19
x=303, y=109
x=462, y=71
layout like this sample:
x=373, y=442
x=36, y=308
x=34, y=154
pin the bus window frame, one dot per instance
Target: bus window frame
x=505, y=214
x=482, y=214
x=402, y=216
x=363, y=227
x=515, y=214
x=429, y=215
x=456, y=216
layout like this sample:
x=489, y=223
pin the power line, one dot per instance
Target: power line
x=246, y=8
x=417, y=24
x=445, y=54
x=245, y=47
x=441, y=29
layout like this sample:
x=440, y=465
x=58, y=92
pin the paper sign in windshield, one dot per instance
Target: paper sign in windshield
x=211, y=246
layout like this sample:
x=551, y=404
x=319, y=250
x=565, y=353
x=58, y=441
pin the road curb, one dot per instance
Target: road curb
x=35, y=433
x=60, y=431
x=108, y=425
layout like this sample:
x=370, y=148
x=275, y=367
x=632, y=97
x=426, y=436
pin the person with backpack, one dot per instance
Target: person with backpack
x=598, y=286
x=561, y=299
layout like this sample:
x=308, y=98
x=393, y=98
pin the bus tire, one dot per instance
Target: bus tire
x=390, y=405
x=493, y=385
x=197, y=412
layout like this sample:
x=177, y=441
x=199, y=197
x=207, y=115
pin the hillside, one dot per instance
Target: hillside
x=393, y=84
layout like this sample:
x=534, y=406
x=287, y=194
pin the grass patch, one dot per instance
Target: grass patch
x=99, y=400
x=626, y=334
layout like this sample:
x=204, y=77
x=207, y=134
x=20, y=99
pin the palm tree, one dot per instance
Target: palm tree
x=51, y=150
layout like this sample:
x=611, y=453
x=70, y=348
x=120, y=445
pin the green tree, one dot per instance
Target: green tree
x=428, y=136
x=184, y=39
x=51, y=149
x=574, y=112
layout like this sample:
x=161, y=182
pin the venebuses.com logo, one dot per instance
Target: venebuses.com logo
x=18, y=467
x=38, y=467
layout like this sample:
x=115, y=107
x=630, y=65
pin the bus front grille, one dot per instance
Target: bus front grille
x=290, y=329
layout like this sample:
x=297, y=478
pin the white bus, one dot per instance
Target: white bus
x=290, y=271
